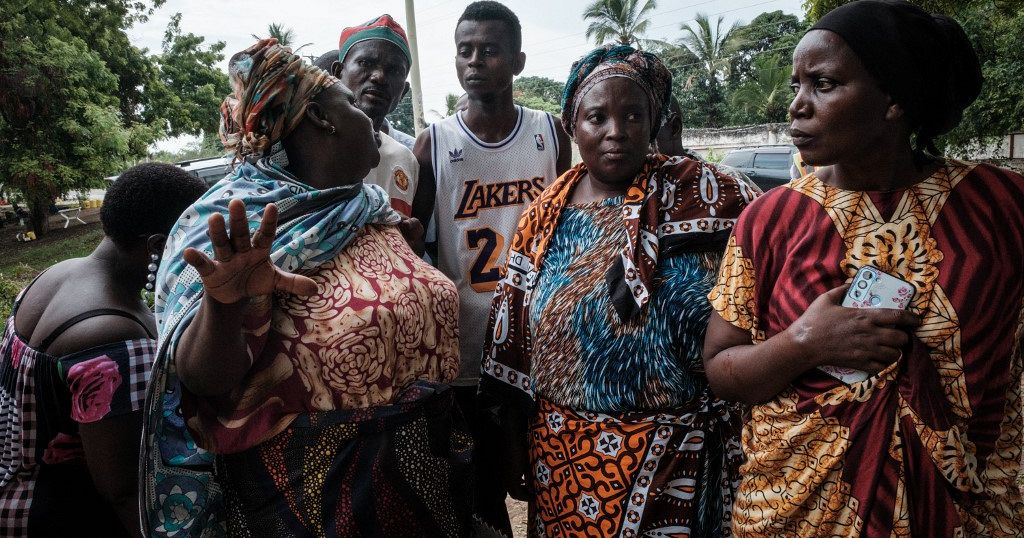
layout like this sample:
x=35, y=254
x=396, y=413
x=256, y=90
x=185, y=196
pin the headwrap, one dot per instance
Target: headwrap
x=383, y=27
x=924, y=62
x=270, y=90
x=610, y=61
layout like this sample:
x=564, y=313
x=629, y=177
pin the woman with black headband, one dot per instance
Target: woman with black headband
x=593, y=357
x=877, y=421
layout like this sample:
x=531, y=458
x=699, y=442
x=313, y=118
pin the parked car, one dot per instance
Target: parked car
x=767, y=166
x=209, y=170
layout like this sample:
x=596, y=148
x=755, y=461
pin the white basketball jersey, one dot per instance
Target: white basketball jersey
x=482, y=189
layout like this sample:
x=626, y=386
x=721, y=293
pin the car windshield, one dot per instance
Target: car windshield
x=737, y=158
x=772, y=161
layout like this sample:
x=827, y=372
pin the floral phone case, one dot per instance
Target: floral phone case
x=872, y=288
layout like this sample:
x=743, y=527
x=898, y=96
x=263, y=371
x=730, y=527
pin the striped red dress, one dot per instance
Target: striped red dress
x=930, y=446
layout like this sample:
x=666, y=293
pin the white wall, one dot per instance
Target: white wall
x=725, y=139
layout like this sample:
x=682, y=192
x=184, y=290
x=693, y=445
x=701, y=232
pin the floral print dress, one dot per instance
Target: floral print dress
x=45, y=487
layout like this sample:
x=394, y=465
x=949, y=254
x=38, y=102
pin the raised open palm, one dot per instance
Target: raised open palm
x=241, y=266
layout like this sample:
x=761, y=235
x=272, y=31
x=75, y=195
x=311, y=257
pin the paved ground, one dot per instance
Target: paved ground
x=517, y=513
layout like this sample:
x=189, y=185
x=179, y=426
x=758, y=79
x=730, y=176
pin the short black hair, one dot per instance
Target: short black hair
x=486, y=10
x=147, y=199
x=327, y=59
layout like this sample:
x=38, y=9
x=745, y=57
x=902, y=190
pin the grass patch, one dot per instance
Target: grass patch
x=18, y=267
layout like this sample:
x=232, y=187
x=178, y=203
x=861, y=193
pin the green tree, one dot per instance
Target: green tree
x=193, y=87
x=285, y=36
x=710, y=46
x=539, y=93
x=401, y=116
x=61, y=124
x=622, y=21
x=78, y=101
x=765, y=96
x=770, y=32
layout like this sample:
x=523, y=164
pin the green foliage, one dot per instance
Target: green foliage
x=285, y=36
x=78, y=101
x=999, y=109
x=204, y=148
x=193, y=87
x=709, y=45
x=62, y=124
x=621, y=21
x=539, y=93
x=401, y=118
x=713, y=156
x=451, y=101
x=765, y=96
x=773, y=32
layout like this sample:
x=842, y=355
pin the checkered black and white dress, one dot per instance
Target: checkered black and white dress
x=45, y=486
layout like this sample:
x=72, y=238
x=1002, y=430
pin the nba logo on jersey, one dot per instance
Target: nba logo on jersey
x=540, y=141
x=455, y=155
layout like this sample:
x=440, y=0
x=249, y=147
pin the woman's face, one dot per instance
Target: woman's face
x=839, y=112
x=613, y=130
x=353, y=146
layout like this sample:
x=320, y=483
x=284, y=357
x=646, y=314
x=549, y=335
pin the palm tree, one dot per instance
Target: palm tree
x=711, y=47
x=285, y=36
x=765, y=96
x=623, y=21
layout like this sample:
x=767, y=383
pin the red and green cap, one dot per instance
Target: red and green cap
x=383, y=27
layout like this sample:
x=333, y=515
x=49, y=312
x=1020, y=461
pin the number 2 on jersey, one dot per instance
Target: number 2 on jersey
x=484, y=275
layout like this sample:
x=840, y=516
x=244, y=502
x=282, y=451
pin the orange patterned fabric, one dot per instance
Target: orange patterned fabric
x=657, y=214
x=383, y=320
x=631, y=474
x=931, y=445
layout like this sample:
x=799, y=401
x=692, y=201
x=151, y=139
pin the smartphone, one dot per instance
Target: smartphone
x=872, y=288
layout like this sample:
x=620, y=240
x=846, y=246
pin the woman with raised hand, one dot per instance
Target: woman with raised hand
x=593, y=362
x=311, y=344
x=877, y=422
x=74, y=362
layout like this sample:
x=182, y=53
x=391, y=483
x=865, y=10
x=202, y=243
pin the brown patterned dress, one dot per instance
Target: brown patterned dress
x=343, y=426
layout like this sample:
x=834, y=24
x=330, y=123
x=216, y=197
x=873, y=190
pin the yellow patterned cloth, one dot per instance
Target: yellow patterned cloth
x=932, y=445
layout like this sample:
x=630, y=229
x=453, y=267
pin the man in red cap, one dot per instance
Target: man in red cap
x=373, y=61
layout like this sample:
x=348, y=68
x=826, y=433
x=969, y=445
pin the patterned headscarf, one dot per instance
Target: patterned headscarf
x=610, y=61
x=384, y=28
x=271, y=88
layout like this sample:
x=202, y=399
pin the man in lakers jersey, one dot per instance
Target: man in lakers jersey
x=479, y=168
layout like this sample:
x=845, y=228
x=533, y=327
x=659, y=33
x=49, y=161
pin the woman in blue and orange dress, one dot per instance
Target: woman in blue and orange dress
x=929, y=442
x=593, y=360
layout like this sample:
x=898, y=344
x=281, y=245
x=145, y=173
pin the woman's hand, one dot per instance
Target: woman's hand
x=241, y=266
x=412, y=231
x=867, y=339
x=826, y=333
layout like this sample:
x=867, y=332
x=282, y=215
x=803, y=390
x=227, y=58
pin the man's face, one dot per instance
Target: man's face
x=484, y=59
x=375, y=71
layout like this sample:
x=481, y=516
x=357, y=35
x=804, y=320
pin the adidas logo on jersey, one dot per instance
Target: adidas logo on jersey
x=491, y=195
x=455, y=155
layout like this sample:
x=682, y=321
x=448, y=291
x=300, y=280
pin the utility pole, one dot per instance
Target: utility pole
x=417, y=92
